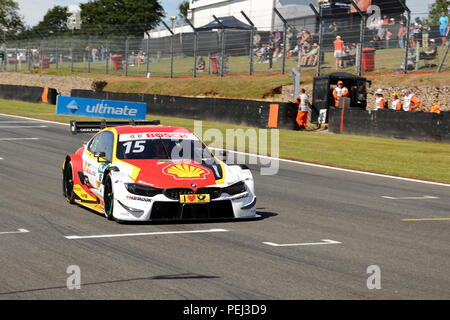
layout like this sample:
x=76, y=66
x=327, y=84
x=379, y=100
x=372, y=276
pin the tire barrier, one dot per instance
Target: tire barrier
x=240, y=112
x=28, y=94
x=421, y=126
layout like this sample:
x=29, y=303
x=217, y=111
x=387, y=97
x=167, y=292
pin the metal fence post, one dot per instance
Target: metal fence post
x=56, y=52
x=148, y=55
x=362, y=26
x=106, y=56
x=195, y=53
x=89, y=53
x=71, y=53
x=252, y=34
x=444, y=56
x=17, y=55
x=252, y=31
x=171, y=55
x=283, y=64
x=408, y=23
x=28, y=54
x=222, y=53
x=320, y=51
x=126, y=56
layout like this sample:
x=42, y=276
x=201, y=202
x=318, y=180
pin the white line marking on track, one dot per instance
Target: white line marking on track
x=410, y=198
x=324, y=242
x=15, y=127
x=283, y=160
x=14, y=139
x=1, y=158
x=143, y=234
x=13, y=232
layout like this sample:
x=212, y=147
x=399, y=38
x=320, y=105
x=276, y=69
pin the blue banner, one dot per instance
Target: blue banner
x=100, y=108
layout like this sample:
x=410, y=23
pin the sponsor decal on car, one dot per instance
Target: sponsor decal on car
x=128, y=197
x=157, y=135
x=185, y=171
x=195, y=198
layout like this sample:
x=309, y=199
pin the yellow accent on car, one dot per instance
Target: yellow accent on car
x=78, y=190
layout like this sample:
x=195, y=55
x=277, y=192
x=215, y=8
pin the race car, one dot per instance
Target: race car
x=144, y=171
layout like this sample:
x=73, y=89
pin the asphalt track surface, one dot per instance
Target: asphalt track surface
x=299, y=205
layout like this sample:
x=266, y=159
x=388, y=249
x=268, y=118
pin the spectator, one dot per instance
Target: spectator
x=261, y=54
x=410, y=101
x=431, y=51
x=306, y=47
x=333, y=27
x=201, y=65
x=402, y=18
x=257, y=40
x=339, y=91
x=417, y=26
x=269, y=54
x=379, y=100
x=443, y=27
x=396, y=103
x=338, y=51
x=303, y=109
x=401, y=35
x=425, y=33
x=388, y=37
x=410, y=61
x=94, y=54
x=313, y=56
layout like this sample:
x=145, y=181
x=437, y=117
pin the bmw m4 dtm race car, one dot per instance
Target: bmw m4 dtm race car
x=147, y=172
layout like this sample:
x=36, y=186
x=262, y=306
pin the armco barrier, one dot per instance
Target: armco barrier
x=28, y=94
x=241, y=112
x=422, y=126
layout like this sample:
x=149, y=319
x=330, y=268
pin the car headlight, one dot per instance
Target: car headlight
x=235, y=188
x=141, y=190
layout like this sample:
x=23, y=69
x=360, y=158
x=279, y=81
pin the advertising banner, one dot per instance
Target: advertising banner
x=100, y=108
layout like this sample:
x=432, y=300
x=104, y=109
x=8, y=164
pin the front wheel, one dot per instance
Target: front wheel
x=108, y=199
x=68, y=183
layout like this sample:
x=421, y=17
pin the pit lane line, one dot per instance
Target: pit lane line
x=283, y=160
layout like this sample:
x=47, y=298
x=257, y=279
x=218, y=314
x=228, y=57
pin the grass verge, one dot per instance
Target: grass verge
x=412, y=159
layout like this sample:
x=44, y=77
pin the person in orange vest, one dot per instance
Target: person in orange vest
x=410, y=101
x=303, y=109
x=379, y=100
x=339, y=91
x=338, y=51
x=436, y=108
x=396, y=103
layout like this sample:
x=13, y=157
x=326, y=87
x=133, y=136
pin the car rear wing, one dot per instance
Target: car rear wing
x=96, y=126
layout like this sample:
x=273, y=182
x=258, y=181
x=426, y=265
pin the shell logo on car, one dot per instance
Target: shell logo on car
x=185, y=171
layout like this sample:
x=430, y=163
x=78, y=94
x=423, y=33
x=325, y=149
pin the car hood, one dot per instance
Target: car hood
x=172, y=173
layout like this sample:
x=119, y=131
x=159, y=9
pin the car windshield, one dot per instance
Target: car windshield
x=164, y=149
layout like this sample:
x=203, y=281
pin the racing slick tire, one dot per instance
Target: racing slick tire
x=108, y=199
x=68, y=183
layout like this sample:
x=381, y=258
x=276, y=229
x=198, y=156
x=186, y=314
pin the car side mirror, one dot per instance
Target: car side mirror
x=99, y=155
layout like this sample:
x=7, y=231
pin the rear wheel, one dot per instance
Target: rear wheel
x=108, y=199
x=68, y=183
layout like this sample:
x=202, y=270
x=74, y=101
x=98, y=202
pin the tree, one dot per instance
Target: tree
x=435, y=10
x=54, y=20
x=119, y=16
x=9, y=17
x=183, y=9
